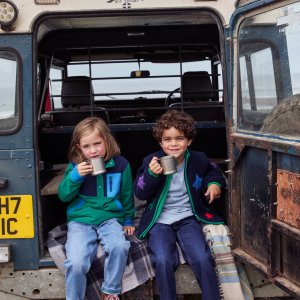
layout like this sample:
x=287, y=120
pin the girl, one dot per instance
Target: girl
x=98, y=206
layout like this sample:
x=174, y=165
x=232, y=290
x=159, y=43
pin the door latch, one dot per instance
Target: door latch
x=3, y=183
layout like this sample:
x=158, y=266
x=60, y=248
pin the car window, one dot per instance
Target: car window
x=269, y=85
x=9, y=92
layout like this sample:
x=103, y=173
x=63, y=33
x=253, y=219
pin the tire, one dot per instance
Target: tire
x=284, y=118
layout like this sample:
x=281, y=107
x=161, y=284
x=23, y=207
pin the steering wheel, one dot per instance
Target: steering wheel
x=168, y=98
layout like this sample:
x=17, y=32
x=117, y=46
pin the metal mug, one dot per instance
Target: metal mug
x=168, y=164
x=98, y=165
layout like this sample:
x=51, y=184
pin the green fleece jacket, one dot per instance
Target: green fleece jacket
x=95, y=199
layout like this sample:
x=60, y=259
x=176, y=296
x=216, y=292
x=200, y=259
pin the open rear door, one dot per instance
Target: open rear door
x=18, y=208
x=263, y=46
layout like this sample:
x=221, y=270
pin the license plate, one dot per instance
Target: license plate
x=16, y=217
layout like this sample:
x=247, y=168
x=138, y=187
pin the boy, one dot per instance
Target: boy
x=176, y=206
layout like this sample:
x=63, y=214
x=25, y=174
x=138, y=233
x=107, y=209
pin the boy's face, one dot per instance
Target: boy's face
x=173, y=142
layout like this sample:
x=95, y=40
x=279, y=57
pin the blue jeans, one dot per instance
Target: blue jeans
x=165, y=258
x=81, y=248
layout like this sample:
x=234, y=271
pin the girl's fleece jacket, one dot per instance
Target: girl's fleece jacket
x=95, y=199
x=199, y=173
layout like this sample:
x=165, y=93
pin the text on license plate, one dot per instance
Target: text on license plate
x=16, y=217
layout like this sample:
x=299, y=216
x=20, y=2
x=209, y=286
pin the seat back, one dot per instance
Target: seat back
x=197, y=86
x=76, y=91
x=77, y=95
x=198, y=96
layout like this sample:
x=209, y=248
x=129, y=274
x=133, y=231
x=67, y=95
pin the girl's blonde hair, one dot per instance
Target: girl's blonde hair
x=87, y=126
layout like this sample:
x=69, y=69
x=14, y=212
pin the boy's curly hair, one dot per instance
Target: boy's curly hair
x=180, y=120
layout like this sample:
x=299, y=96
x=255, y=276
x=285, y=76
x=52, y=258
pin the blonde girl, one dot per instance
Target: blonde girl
x=100, y=209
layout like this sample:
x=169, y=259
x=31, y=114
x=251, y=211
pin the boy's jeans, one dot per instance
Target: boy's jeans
x=165, y=258
x=81, y=248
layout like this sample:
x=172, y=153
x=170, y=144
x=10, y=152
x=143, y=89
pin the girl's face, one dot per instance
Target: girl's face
x=173, y=142
x=92, y=145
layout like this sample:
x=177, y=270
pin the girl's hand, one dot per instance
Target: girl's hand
x=154, y=166
x=213, y=192
x=129, y=230
x=84, y=168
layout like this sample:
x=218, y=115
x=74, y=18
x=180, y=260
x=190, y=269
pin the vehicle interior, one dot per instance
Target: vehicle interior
x=128, y=70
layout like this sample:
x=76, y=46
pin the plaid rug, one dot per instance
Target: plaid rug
x=233, y=281
x=138, y=269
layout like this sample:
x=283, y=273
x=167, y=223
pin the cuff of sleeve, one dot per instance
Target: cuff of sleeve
x=151, y=173
x=214, y=182
x=75, y=176
x=128, y=222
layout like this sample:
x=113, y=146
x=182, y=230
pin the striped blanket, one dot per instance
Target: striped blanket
x=233, y=281
x=138, y=270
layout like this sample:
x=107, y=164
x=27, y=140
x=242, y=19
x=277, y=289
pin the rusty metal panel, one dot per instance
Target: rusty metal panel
x=288, y=197
x=254, y=207
x=290, y=253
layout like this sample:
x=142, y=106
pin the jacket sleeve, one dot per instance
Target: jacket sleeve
x=126, y=196
x=146, y=183
x=213, y=175
x=68, y=189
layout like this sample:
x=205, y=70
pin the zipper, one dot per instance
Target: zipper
x=188, y=187
x=110, y=183
x=159, y=206
x=100, y=186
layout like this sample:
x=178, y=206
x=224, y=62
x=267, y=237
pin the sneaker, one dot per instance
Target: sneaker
x=109, y=297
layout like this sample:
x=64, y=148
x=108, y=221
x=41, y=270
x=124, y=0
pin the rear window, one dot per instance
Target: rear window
x=113, y=80
x=135, y=85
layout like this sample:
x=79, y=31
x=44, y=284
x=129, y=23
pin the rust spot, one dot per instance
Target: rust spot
x=296, y=196
x=285, y=193
x=281, y=214
x=298, y=221
x=288, y=197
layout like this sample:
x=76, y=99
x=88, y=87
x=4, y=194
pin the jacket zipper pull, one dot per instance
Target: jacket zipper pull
x=110, y=183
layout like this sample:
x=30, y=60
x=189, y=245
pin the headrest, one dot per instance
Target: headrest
x=76, y=91
x=197, y=86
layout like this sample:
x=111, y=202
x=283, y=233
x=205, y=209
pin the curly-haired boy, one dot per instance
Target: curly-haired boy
x=178, y=206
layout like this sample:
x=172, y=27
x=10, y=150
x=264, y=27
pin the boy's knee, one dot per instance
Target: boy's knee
x=205, y=260
x=164, y=260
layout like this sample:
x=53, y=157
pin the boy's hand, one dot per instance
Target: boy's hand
x=129, y=230
x=84, y=168
x=155, y=166
x=213, y=192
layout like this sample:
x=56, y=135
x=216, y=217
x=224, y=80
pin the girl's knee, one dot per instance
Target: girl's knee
x=77, y=265
x=124, y=246
x=118, y=246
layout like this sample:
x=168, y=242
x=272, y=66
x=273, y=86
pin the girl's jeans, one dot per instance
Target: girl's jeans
x=165, y=258
x=81, y=248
